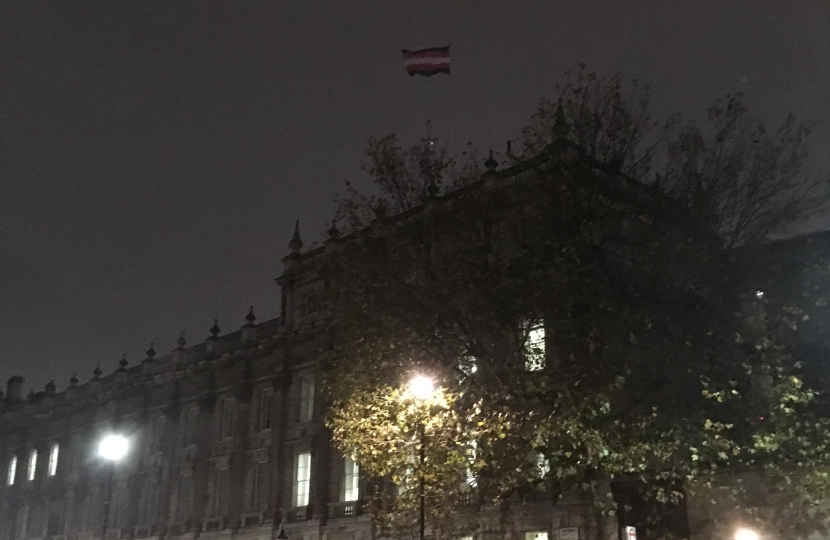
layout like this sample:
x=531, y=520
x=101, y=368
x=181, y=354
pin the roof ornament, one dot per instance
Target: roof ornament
x=334, y=232
x=250, y=317
x=214, y=330
x=50, y=387
x=296, y=244
x=560, y=126
x=151, y=352
x=73, y=381
x=123, y=363
x=181, y=342
x=491, y=162
x=97, y=372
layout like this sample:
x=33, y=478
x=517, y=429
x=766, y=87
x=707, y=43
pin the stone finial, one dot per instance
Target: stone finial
x=73, y=381
x=97, y=371
x=214, y=330
x=51, y=387
x=432, y=187
x=181, y=342
x=560, y=126
x=334, y=232
x=491, y=162
x=250, y=317
x=122, y=364
x=151, y=352
x=296, y=244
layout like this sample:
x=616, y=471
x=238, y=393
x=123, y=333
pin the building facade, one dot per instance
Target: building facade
x=226, y=440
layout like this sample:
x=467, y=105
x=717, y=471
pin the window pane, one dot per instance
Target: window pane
x=158, y=433
x=12, y=471
x=306, y=398
x=32, y=465
x=265, y=401
x=535, y=348
x=303, y=476
x=221, y=490
x=228, y=417
x=53, y=459
x=536, y=535
x=259, y=498
x=351, y=481
x=185, y=496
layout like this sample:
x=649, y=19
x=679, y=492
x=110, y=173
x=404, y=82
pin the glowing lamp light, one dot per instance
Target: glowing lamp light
x=746, y=534
x=423, y=387
x=114, y=448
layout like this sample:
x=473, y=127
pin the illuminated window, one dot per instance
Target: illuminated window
x=536, y=535
x=302, y=479
x=351, y=481
x=266, y=399
x=259, y=497
x=30, y=473
x=535, y=348
x=306, y=398
x=12, y=471
x=53, y=459
x=541, y=465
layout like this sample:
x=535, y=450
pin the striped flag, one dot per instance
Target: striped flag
x=427, y=62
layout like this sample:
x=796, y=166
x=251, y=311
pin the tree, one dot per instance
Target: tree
x=582, y=327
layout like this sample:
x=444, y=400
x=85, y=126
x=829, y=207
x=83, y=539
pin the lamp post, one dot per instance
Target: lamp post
x=422, y=388
x=112, y=449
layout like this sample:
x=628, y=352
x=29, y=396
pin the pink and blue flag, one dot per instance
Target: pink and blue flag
x=427, y=62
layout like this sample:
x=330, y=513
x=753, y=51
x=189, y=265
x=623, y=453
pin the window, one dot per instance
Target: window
x=148, y=506
x=307, y=398
x=30, y=473
x=302, y=479
x=158, y=433
x=12, y=471
x=266, y=399
x=228, y=419
x=259, y=497
x=351, y=479
x=221, y=491
x=542, y=465
x=189, y=419
x=185, y=496
x=470, y=475
x=535, y=348
x=53, y=459
x=536, y=535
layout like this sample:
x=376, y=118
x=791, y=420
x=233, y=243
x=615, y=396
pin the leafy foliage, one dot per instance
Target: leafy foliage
x=659, y=364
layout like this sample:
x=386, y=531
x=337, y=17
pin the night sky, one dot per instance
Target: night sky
x=154, y=156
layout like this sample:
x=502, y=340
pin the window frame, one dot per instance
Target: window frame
x=302, y=482
x=266, y=405
x=31, y=468
x=54, y=456
x=11, y=471
x=307, y=398
x=351, y=480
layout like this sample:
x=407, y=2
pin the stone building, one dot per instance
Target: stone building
x=225, y=440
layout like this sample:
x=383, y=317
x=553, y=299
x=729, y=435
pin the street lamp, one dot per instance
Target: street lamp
x=423, y=388
x=112, y=449
x=746, y=534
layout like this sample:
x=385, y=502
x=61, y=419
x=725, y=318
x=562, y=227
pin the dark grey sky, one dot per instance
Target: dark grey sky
x=153, y=156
